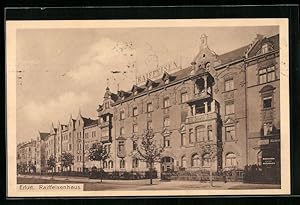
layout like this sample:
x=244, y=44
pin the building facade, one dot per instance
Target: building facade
x=230, y=102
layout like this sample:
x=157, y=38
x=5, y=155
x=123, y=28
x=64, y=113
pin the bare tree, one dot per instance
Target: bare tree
x=149, y=151
x=98, y=153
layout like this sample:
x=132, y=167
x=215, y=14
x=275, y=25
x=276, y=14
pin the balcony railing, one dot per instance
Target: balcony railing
x=104, y=124
x=201, y=117
x=121, y=153
x=105, y=139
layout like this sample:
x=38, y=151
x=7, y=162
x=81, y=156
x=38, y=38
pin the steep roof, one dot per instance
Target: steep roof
x=89, y=121
x=225, y=58
x=44, y=135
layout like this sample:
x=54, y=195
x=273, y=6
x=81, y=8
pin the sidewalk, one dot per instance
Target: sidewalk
x=143, y=184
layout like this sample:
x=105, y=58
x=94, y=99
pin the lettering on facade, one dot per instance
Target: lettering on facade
x=159, y=71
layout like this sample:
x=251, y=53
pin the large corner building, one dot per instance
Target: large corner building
x=229, y=100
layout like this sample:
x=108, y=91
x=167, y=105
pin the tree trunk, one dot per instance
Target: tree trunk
x=210, y=175
x=150, y=173
x=100, y=172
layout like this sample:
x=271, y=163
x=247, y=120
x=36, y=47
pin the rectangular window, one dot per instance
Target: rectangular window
x=70, y=147
x=135, y=111
x=230, y=133
x=166, y=122
x=122, y=131
x=166, y=102
x=105, y=132
x=86, y=135
x=268, y=127
x=200, y=133
x=267, y=102
x=191, y=136
x=149, y=125
x=229, y=108
x=121, y=146
x=266, y=74
x=149, y=107
x=183, y=139
x=184, y=97
x=229, y=84
x=135, y=128
x=122, y=115
x=209, y=132
x=94, y=134
x=134, y=145
x=167, y=141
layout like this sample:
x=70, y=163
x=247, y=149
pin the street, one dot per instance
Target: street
x=96, y=185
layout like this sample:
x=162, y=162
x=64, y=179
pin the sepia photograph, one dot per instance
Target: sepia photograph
x=148, y=107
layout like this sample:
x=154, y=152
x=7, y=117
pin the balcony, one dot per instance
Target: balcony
x=203, y=111
x=201, y=117
x=121, y=153
x=105, y=139
x=104, y=124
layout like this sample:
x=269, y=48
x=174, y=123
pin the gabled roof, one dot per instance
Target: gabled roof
x=231, y=56
x=88, y=122
x=44, y=135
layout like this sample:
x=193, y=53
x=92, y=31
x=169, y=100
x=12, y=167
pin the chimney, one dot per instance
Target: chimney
x=203, y=40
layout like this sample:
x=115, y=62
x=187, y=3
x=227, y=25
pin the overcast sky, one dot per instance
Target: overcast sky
x=66, y=70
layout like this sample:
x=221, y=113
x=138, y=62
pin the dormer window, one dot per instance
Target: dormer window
x=150, y=87
x=167, y=81
x=265, y=48
x=106, y=105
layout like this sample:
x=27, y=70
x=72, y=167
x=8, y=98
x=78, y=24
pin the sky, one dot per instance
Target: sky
x=65, y=71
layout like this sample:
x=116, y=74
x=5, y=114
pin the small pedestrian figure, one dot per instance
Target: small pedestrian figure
x=224, y=177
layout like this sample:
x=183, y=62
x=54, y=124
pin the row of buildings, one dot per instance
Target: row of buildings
x=229, y=100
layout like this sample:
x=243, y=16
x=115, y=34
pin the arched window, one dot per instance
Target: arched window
x=205, y=160
x=195, y=160
x=183, y=161
x=122, y=164
x=135, y=163
x=105, y=164
x=230, y=159
x=111, y=164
